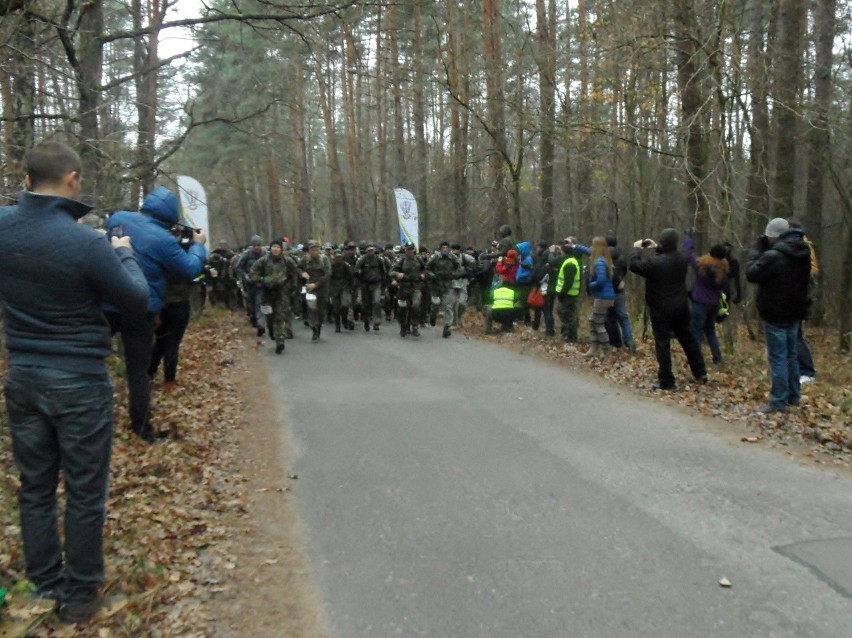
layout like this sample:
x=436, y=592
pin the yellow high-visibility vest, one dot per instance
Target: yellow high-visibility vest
x=575, y=285
x=504, y=298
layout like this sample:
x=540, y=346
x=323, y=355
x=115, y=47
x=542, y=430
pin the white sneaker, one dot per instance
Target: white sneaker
x=806, y=379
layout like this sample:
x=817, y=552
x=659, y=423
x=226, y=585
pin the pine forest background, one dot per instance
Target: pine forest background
x=554, y=117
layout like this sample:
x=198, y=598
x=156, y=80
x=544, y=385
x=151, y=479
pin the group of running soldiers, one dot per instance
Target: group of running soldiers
x=347, y=284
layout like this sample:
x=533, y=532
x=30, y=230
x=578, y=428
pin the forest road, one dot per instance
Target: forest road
x=454, y=488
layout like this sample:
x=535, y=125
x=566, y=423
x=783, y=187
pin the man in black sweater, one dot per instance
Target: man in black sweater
x=58, y=391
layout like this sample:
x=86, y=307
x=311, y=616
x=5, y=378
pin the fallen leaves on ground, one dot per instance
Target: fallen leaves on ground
x=735, y=392
x=169, y=535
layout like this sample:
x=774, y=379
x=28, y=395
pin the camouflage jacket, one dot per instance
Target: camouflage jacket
x=319, y=270
x=412, y=269
x=275, y=274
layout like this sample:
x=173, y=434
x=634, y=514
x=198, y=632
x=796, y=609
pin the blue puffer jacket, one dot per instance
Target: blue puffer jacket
x=157, y=249
x=600, y=283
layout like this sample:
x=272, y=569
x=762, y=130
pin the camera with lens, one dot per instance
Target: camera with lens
x=185, y=235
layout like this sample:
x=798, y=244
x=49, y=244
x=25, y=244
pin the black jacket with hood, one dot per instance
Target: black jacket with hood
x=781, y=271
x=665, y=276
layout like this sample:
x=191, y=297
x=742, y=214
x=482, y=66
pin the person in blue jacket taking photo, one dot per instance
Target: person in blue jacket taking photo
x=161, y=256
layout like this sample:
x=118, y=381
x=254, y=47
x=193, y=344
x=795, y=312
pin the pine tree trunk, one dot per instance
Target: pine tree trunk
x=690, y=80
x=819, y=144
x=757, y=198
x=421, y=164
x=546, y=31
x=788, y=65
x=342, y=221
x=145, y=58
x=18, y=95
x=495, y=108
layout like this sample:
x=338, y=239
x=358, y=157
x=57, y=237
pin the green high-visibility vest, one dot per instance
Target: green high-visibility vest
x=504, y=298
x=560, y=282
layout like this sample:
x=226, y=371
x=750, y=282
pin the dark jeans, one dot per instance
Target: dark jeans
x=173, y=322
x=806, y=360
x=62, y=419
x=704, y=324
x=618, y=326
x=137, y=337
x=547, y=312
x=676, y=324
x=783, y=364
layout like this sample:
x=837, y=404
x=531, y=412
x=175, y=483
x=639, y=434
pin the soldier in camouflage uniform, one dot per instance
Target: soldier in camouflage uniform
x=276, y=274
x=371, y=271
x=219, y=271
x=409, y=273
x=444, y=268
x=467, y=269
x=425, y=313
x=252, y=291
x=340, y=291
x=389, y=256
x=316, y=272
x=350, y=256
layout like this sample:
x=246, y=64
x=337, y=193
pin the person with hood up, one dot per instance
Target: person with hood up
x=668, y=305
x=160, y=255
x=780, y=265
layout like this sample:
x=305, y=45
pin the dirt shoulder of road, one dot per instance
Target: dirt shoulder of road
x=270, y=592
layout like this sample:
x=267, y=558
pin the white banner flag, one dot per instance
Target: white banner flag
x=406, y=211
x=193, y=203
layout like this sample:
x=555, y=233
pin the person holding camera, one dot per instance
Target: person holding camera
x=161, y=256
x=54, y=276
x=780, y=265
x=668, y=304
x=173, y=318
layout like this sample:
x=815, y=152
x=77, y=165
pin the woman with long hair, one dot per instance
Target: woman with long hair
x=711, y=276
x=601, y=271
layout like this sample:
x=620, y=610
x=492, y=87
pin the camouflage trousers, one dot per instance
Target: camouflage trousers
x=569, y=316
x=447, y=303
x=280, y=321
x=371, y=296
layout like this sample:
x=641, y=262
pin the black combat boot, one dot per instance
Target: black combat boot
x=279, y=348
x=446, y=332
x=315, y=337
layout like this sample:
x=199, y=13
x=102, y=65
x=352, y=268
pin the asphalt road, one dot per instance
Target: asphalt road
x=453, y=488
